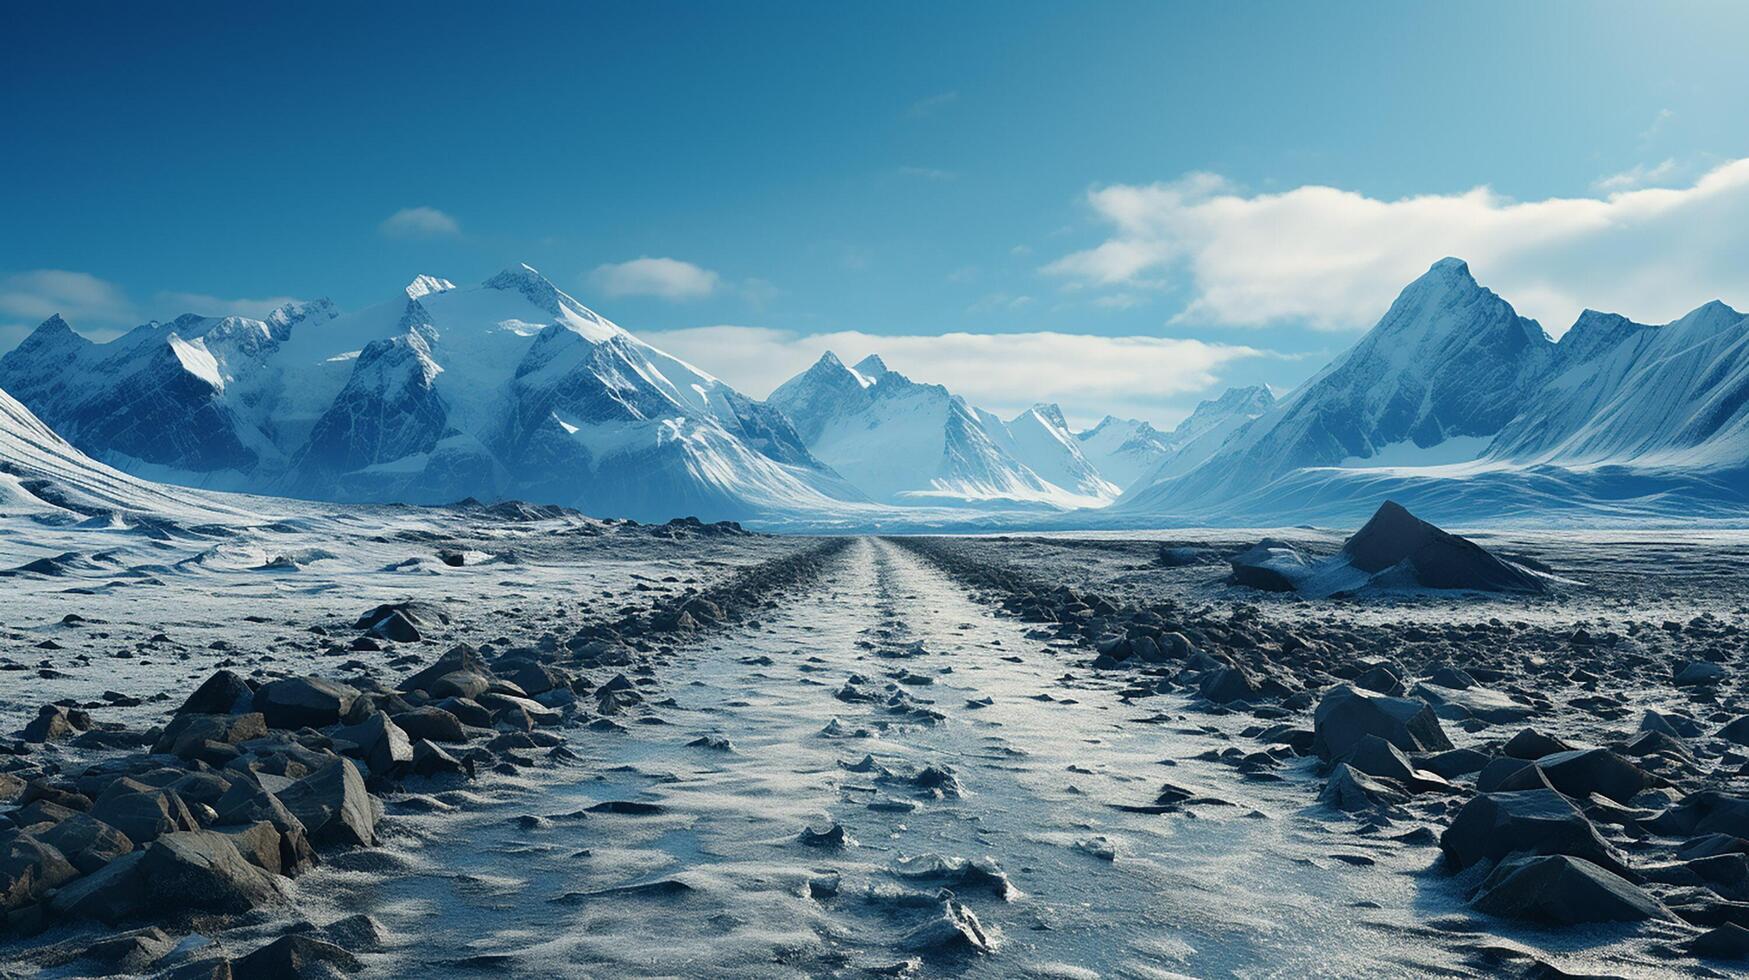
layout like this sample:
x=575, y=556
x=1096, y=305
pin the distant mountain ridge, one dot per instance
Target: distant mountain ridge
x=1455, y=399
x=905, y=442
x=509, y=388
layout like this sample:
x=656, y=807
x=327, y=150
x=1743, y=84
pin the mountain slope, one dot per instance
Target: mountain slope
x=508, y=389
x=1123, y=450
x=43, y=475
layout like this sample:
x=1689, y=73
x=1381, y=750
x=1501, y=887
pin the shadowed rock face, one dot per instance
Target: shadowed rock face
x=1441, y=560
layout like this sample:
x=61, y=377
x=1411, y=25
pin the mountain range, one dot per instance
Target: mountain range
x=507, y=389
x=1455, y=403
x=1452, y=403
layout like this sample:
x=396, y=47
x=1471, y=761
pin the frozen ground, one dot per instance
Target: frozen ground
x=953, y=744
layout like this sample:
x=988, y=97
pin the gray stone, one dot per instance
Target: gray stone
x=1563, y=890
x=201, y=870
x=1531, y=822
x=1347, y=714
x=333, y=806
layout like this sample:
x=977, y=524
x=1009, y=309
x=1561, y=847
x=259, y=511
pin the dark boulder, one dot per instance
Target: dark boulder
x=223, y=693
x=333, y=805
x=381, y=743
x=296, y=957
x=298, y=702
x=1271, y=566
x=87, y=842
x=1351, y=790
x=1531, y=744
x=1531, y=822
x=1439, y=560
x=28, y=868
x=1581, y=772
x=1346, y=715
x=142, y=812
x=433, y=724
x=1560, y=889
x=201, y=870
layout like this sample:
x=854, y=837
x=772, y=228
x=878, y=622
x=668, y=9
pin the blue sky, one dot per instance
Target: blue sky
x=1203, y=194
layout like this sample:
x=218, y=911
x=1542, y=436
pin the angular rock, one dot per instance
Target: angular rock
x=1530, y=822
x=1395, y=538
x=28, y=868
x=1563, y=890
x=1351, y=790
x=1347, y=714
x=1581, y=772
x=296, y=957
x=87, y=842
x=187, y=735
x=224, y=693
x=333, y=805
x=381, y=743
x=110, y=894
x=201, y=870
x=1271, y=566
x=432, y=724
x=1531, y=744
x=143, y=813
x=298, y=702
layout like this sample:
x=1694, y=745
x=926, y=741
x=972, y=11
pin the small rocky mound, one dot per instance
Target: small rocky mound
x=1394, y=550
x=1395, y=538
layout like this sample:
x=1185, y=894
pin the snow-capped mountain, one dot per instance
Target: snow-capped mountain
x=1123, y=450
x=510, y=388
x=901, y=441
x=1208, y=428
x=1456, y=402
x=1627, y=394
x=1041, y=440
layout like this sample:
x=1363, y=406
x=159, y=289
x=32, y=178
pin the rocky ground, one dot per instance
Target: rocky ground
x=418, y=742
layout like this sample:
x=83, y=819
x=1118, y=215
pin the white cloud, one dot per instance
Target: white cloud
x=419, y=222
x=100, y=309
x=669, y=279
x=38, y=294
x=1005, y=373
x=1334, y=259
x=1639, y=175
x=173, y=304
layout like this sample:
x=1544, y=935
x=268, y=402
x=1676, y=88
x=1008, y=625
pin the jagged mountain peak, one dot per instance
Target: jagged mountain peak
x=872, y=367
x=424, y=285
x=55, y=332
x=1049, y=413
x=538, y=290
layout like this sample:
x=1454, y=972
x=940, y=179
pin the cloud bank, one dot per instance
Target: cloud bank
x=1334, y=259
x=1147, y=377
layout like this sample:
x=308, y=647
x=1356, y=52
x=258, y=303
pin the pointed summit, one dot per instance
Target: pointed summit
x=423, y=285
x=538, y=289
x=872, y=367
x=55, y=324
x=50, y=337
x=1050, y=413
